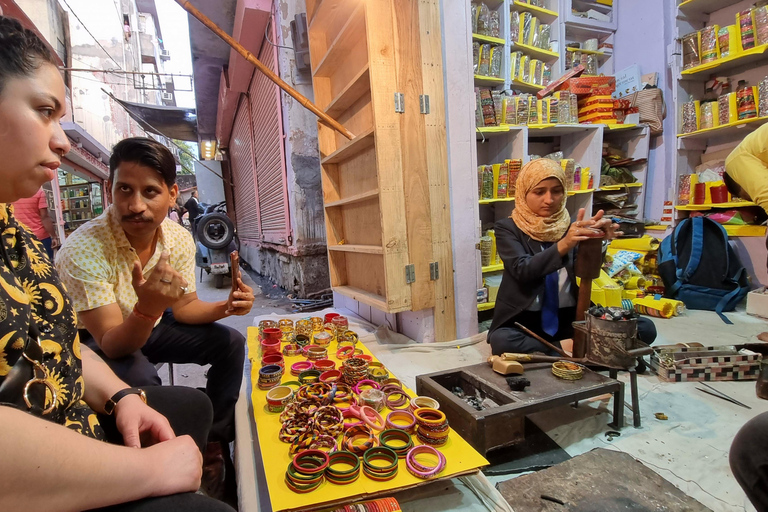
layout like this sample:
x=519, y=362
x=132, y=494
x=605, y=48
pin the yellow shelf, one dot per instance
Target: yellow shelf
x=535, y=51
x=488, y=80
x=493, y=268
x=656, y=227
x=589, y=52
x=525, y=85
x=723, y=129
x=575, y=192
x=618, y=127
x=738, y=59
x=705, y=207
x=535, y=10
x=485, y=306
x=493, y=129
x=745, y=230
x=621, y=186
x=488, y=39
x=502, y=200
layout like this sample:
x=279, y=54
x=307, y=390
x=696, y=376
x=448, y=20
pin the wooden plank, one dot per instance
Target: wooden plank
x=357, y=118
x=359, y=85
x=349, y=36
x=357, y=175
x=371, y=299
x=381, y=54
x=361, y=249
x=437, y=165
x=356, y=145
x=413, y=142
x=354, y=199
x=337, y=261
x=362, y=223
x=325, y=12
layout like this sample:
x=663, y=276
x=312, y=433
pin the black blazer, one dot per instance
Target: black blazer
x=525, y=268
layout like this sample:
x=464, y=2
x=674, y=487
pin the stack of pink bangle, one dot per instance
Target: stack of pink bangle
x=365, y=382
x=419, y=470
x=300, y=366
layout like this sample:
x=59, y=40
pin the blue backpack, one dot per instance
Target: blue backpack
x=700, y=268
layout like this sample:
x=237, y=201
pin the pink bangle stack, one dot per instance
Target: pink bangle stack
x=301, y=366
x=418, y=469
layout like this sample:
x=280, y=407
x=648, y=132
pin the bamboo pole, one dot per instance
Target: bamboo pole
x=325, y=118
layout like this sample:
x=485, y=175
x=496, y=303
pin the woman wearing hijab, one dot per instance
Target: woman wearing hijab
x=537, y=246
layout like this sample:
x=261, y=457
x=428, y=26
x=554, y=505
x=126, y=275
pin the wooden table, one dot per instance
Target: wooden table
x=503, y=425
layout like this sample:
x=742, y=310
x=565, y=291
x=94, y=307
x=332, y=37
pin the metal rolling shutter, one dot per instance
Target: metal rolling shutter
x=269, y=151
x=243, y=176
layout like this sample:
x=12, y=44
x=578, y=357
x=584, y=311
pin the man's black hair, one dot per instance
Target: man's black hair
x=22, y=52
x=733, y=187
x=147, y=152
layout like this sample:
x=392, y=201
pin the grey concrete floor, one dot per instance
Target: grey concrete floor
x=269, y=299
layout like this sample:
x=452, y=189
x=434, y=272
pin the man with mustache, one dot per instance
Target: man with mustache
x=131, y=275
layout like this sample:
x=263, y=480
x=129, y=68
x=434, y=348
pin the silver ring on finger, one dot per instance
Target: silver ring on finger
x=183, y=289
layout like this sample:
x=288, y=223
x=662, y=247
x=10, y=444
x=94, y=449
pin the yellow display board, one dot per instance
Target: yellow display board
x=461, y=458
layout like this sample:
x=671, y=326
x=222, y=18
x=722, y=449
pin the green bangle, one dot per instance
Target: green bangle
x=340, y=457
x=309, y=376
x=380, y=453
x=394, y=434
x=380, y=477
x=302, y=478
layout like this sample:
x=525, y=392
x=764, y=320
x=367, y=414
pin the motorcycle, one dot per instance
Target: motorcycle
x=215, y=239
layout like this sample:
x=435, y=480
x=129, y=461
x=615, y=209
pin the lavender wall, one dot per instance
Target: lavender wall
x=643, y=31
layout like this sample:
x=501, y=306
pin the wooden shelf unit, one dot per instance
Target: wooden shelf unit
x=385, y=192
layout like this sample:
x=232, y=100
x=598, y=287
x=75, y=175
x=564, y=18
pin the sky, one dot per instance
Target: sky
x=174, y=25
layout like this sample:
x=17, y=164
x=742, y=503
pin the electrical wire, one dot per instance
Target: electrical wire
x=90, y=34
x=182, y=148
x=266, y=34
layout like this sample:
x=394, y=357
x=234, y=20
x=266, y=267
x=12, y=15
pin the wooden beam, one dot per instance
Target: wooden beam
x=353, y=147
x=413, y=141
x=437, y=163
x=389, y=158
x=359, y=85
x=357, y=198
x=360, y=249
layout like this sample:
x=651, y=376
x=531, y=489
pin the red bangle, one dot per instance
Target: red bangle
x=142, y=316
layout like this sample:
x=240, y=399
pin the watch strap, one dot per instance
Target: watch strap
x=109, y=407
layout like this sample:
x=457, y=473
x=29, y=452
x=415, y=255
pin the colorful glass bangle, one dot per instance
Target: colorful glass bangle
x=420, y=470
x=389, y=436
x=429, y=416
x=404, y=415
x=418, y=402
x=291, y=350
x=392, y=382
x=345, y=352
x=362, y=356
x=310, y=462
x=393, y=403
x=380, y=453
x=300, y=478
x=324, y=441
x=371, y=418
x=270, y=370
x=300, y=366
x=325, y=364
x=365, y=383
x=309, y=376
x=343, y=392
x=330, y=376
x=342, y=457
x=358, y=433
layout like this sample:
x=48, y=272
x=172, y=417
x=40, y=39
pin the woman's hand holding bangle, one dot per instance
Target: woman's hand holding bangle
x=578, y=232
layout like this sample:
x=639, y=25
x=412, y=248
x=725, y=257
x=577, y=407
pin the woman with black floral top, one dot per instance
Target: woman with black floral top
x=57, y=459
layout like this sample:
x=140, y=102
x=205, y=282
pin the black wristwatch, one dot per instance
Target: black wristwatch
x=109, y=407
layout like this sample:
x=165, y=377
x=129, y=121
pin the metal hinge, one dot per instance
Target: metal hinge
x=410, y=274
x=434, y=271
x=424, y=103
x=399, y=102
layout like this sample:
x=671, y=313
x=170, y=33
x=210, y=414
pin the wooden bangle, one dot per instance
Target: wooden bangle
x=407, y=416
x=429, y=416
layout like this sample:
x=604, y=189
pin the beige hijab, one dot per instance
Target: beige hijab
x=543, y=229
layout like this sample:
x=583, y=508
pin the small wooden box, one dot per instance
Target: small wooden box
x=704, y=363
x=503, y=425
